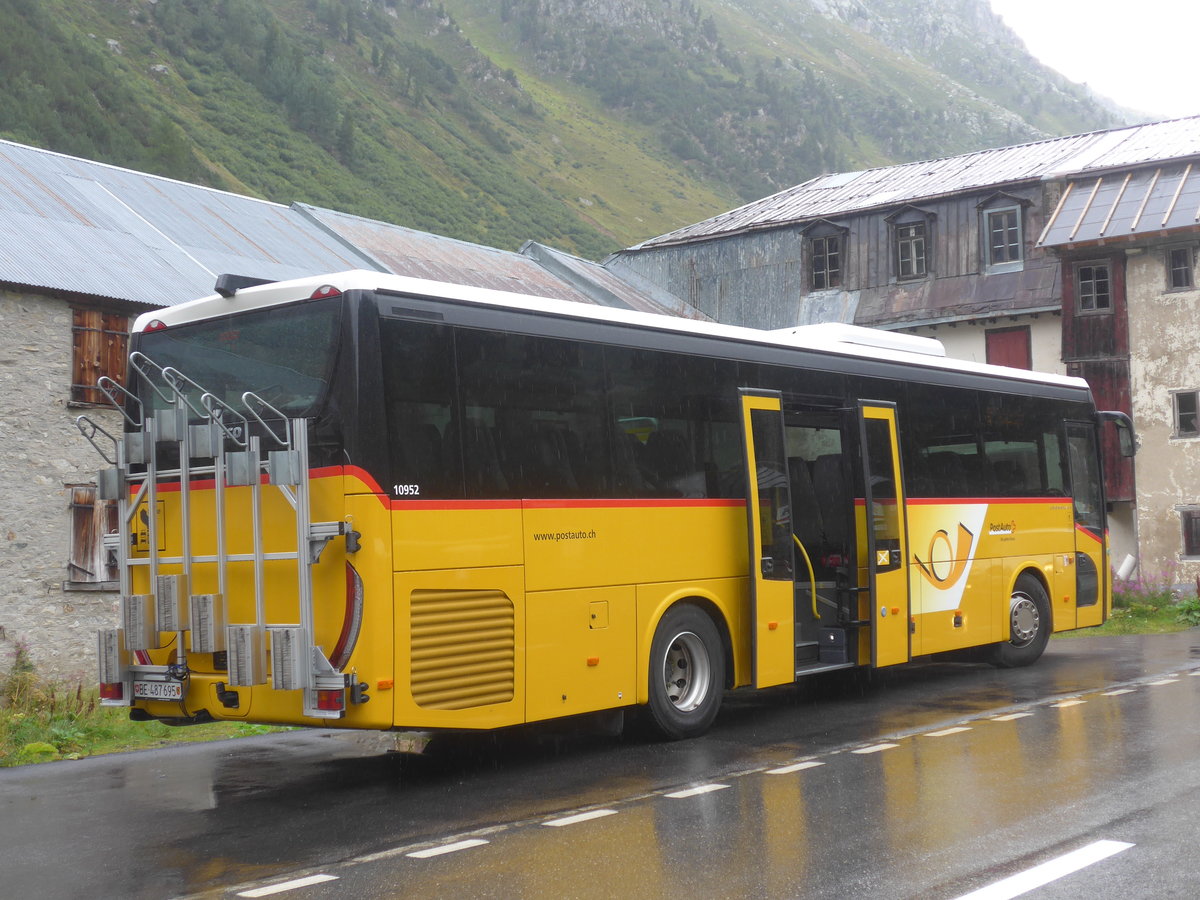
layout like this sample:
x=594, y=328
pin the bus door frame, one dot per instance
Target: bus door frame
x=772, y=577
x=886, y=566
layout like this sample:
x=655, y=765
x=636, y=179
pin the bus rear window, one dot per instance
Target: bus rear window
x=283, y=354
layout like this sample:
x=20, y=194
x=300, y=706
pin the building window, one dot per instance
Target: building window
x=90, y=564
x=1179, y=268
x=1003, y=231
x=1190, y=519
x=910, y=250
x=1187, y=414
x=1093, y=287
x=100, y=342
x=826, y=262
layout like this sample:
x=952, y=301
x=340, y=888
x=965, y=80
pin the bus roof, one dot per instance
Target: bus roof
x=832, y=338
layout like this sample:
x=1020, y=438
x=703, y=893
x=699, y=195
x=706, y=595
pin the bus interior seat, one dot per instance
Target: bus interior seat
x=669, y=461
x=949, y=473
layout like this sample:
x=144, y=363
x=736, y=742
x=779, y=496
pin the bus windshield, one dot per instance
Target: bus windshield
x=285, y=360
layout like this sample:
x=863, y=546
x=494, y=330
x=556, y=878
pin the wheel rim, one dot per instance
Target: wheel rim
x=687, y=672
x=1026, y=620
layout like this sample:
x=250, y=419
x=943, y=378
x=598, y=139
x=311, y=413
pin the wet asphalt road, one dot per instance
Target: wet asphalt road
x=971, y=775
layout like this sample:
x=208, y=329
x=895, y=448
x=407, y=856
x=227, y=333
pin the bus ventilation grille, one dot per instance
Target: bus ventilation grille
x=463, y=648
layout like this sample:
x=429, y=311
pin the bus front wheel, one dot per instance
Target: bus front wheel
x=1029, y=625
x=687, y=674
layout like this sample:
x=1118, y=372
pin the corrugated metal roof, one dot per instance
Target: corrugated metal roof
x=1126, y=205
x=69, y=224
x=848, y=192
x=418, y=254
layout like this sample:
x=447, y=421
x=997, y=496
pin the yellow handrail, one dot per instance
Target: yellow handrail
x=812, y=576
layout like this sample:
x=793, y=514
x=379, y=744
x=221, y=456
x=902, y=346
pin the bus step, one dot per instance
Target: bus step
x=834, y=646
x=818, y=667
x=807, y=652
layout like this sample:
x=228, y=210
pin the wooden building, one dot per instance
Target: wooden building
x=950, y=248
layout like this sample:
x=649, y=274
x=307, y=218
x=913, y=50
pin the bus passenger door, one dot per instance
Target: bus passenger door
x=883, y=535
x=1091, y=552
x=769, y=520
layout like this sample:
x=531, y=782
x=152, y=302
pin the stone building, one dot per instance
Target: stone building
x=87, y=247
x=1127, y=237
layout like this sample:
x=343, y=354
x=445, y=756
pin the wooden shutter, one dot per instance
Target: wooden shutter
x=99, y=344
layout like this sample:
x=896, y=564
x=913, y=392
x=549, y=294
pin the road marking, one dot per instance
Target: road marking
x=795, y=767
x=447, y=848
x=1170, y=680
x=696, y=791
x=1026, y=881
x=946, y=732
x=875, y=748
x=1194, y=673
x=287, y=886
x=1063, y=704
x=1011, y=716
x=580, y=817
x=1119, y=691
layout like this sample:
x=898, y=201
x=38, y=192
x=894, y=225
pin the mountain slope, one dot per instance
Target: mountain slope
x=586, y=124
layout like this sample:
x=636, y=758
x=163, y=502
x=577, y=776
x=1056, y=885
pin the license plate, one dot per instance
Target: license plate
x=158, y=690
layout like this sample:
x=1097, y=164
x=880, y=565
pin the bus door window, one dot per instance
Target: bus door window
x=820, y=499
x=885, y=519
x=775, y=511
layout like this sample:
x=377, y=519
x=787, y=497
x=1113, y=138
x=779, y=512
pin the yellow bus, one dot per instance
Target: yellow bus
x=371, y=501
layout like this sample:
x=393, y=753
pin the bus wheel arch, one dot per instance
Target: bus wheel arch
x=688, y=671
x=1030, y=622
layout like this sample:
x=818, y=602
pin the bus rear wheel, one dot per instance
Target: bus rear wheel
x=1028, y=623
x=687, y=674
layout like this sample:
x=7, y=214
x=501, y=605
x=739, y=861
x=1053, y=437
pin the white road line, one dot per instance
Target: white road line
x=946, y=732
x=447, y=848
x=1011, y=716
x=580, y=817
x=696, y=791
x=287, y=886
x=1170, y=680
x=1026, y=881
x=1119, y=691
x=875, y=748
x=1194, y=673
x=1063, y=704
x=795, y=767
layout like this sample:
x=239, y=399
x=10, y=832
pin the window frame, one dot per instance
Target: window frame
x=832, y=276
x=1177, y=432
x=1077, y=278
x=898, y=242
x=991, y=265
x=1189, y=515
x=1189, y=270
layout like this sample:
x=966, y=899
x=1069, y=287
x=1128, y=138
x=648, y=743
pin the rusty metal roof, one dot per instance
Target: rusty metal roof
x=419, y=254
x=892, y=186
x=69, y=224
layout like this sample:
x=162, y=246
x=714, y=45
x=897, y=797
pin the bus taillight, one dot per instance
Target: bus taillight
x=325, y=290
x=112, y=691
x=331, y=700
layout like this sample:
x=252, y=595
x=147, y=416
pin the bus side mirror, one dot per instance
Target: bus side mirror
x=1126, y=439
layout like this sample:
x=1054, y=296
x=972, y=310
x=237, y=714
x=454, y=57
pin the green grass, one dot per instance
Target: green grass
x=41, y=721
x=1148, y=605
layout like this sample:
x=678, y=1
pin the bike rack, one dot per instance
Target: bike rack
x=198, y=622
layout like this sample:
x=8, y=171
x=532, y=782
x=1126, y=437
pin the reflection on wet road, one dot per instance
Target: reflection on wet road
x=969, y=774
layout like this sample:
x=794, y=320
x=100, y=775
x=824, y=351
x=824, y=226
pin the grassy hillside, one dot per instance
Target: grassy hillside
x=586, y=126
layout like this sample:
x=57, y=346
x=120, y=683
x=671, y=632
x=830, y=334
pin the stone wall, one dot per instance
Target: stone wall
x=41, y=453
